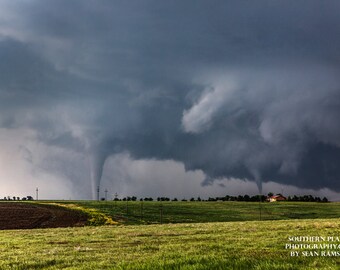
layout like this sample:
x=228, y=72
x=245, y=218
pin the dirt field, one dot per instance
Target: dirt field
x=29, y=216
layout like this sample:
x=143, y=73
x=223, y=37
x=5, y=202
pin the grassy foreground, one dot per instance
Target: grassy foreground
x=230, y=245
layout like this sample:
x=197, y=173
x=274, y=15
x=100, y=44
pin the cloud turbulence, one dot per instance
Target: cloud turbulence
x=233, y=89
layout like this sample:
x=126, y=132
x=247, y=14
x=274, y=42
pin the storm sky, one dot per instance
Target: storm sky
x=169, y=98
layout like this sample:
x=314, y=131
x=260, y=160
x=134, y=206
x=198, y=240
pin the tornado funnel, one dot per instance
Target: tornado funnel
x=97, y=161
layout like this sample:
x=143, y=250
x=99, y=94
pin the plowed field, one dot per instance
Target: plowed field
x=30, y=216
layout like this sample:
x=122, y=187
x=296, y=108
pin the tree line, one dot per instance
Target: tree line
x=240, y=198
x=15, y=198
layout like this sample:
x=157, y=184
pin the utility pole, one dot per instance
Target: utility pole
x=97, y=193
x=37, y=193
x=260, y=205
x=106, y=194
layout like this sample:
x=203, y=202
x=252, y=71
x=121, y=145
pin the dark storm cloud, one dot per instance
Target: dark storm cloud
x=234, y=88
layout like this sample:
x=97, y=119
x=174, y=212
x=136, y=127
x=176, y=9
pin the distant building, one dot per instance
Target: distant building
x=276, y=198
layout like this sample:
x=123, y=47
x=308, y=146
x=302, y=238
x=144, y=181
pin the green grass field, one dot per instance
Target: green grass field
x=194, y=235
x=227, y=245
x=193, y=212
